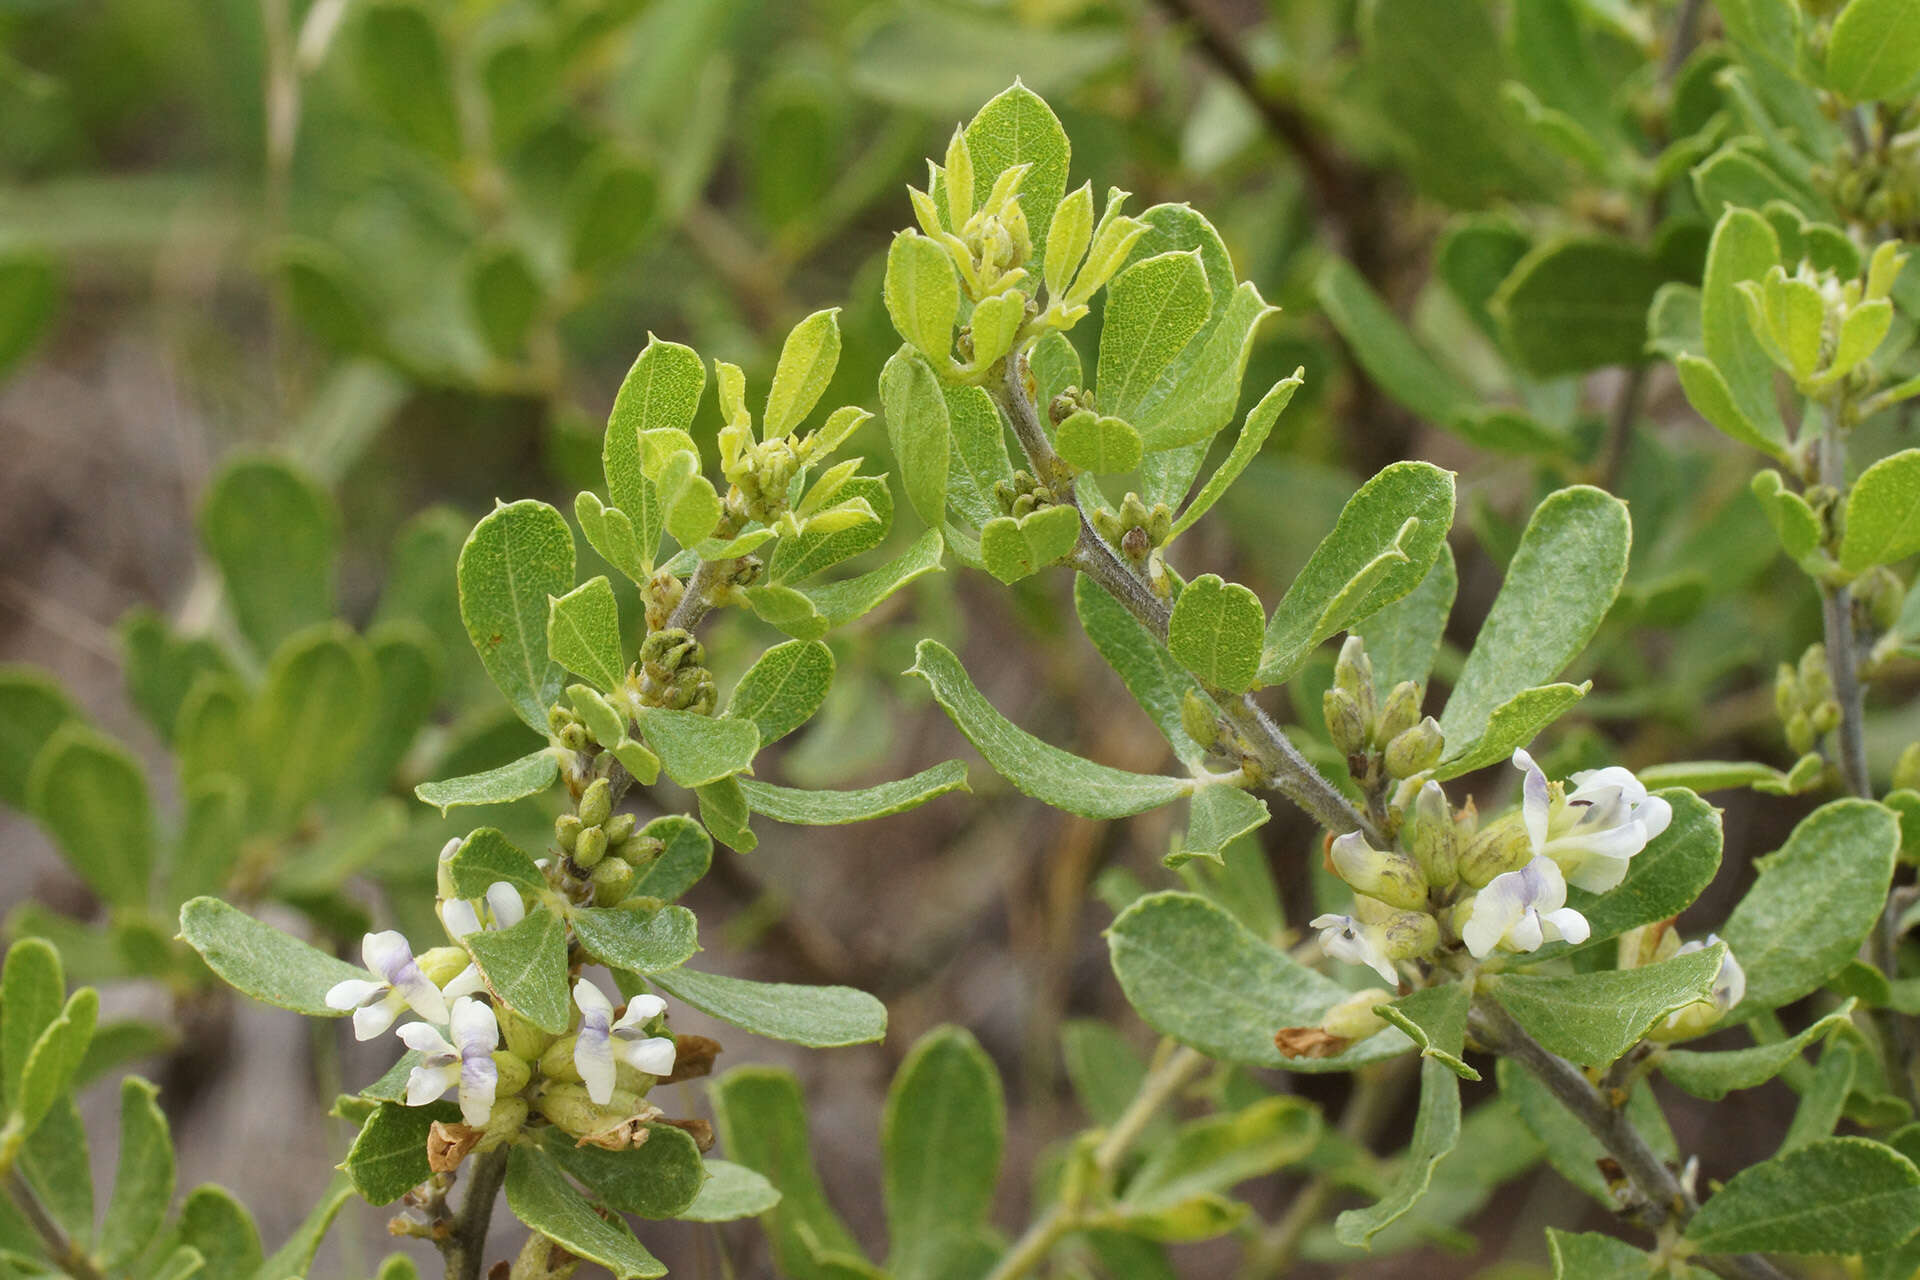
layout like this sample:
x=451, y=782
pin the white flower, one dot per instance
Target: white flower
x=1596, y=828
x=1345, y=938
x=397, y=984
x=1522, y=910
x=505, y=909
x=466, y=1061
x=1729, y=985
x=602, y=1039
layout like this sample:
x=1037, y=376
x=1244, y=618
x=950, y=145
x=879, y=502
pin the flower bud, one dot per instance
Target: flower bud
x=509, y=1117
x=442, y=965
x=1415, y=750
x=612, y=878
x=524, y=1040
x=1398, y=713
x=619, y=827
x=639, y=850
x=596, y=804
x=1354, y=1018
x=590, y=848
x=566, y=830
x=1393, y=877
x=568, y=1106
x=558, y=718
x=575, y=738
x=1880, y=593
x=1800, y=734
x=1816, y=681
x=1825, y=717
x=512, y=1071
x=1409, y=934
x=1435, y=839
x=1353, y=672
x=1346, y=723
x=1906, y=770
x=1786, y=692
x=1501, y=847
x=662, y=595
x=557, y=1062
x=442, y=873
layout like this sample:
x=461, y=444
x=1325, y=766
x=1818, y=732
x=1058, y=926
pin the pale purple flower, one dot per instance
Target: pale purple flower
x=1523, y=910
x=1345, y=938
x=396, y=985
x=505, y=909
x=604, y=1041
x=1596, y=828
x=1729, y=984
x=464, y=1062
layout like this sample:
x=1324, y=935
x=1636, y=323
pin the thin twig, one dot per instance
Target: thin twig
x=465, y=1247
x=1275, y=755
x=61, y=1249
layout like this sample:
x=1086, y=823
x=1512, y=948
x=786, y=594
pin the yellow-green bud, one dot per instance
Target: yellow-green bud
x=611, y=880
x=662, y=596
x=1353, y=672
x=557, y=1062
x=619, y=827
x=1354, y=1018
x=1416, y=749
x=568, y=1106
x=1800, y=734
x=590, y=848
x=1500, y=848
x=558, y=718
x=1786, y=691
x=514, y=1073
x=1407, y=935
x=1398, y=713
x=575, y=737
x=1825, y=717
x=1906, y=770
x=639, y=849
x=596, y=803
x=566, y=830
x=1435, y=838
x=508, y=1117
x=524, y=1040
x=1880, y=592
x=1816, y=682
x=1392, y=877
x=1200, y=718
x=441, y=965
x=1346, y=722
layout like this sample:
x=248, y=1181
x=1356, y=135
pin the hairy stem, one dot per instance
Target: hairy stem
x=1277, y=758
x=694, y=603
x=465, y=1247
x=61, y=1249
x=1166, y=1079
x=1843, y=652
x=1665, y=1199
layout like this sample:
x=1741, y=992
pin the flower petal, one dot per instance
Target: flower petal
x=386, y=954
x=654, y=1055
x=422, y=1038
x=459, y=917
x=479, y=1082
x=592, y=1001
x=427, y=1083
x=474, y=1026
x=465, y=983
x=505, y=902
x=641, y=1010
x=372, y=1020
x=593, y=1059
x=353, y=993
x=1568, y=924
x=1535, y=798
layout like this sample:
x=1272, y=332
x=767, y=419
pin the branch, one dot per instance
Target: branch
x=465, y=1247
x=61, y=1249
x=1665, y=1198
x=1276, y=756
x=1843, y=655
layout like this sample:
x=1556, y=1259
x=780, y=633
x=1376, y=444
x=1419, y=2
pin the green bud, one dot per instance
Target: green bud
x=1353, y=672
x=1435, y=838
x=1407, y=935
x=1398, y=713
x=1786, y=691
x=590, y=848
x=639, y=850
x=508, y=1118
x=662, y=596
x=1415, y=750
x=619, y=827
x=568, y=1106
x=1200, y=718
x=1354, y=1018
x=1825, y=717
x=1880, y=593
x=575, y=738
x=1502, y=847
x=1816, y=681
x=441, y=965
x=1800, y=734
x=1392, y=877
x=1345, y=721
x=557, y=1062
x=596, y=803
x=1906, y=770
x=612, y=877
x=513, y=1071
x=524, y=1040
x=1160, y=524
x=558, y=718
x=566, y=830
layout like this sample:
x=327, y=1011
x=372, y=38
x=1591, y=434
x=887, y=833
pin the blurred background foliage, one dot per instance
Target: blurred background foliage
x=397, y=256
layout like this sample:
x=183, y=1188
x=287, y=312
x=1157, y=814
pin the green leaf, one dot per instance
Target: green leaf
x=610, y=531
x=1560, y=584
x=261, y=961
x=1743, y=248
x=920, y=429
x=1403, y=639
x=1099, y=444
x=941, y=1137
x=1194, y=406
x=1215, y=632
x=1710, y=775
x=637, y=941
x=1383, y=348
x=1515, y=723
x=1825, y=1096
x=526, y=968
x=505, y=296
x=686, y=857
x=1156, y=681
x=143, y=1180
x=583, y=633
x=540, y=1196
x=657, y=1179
x=292, y=1259
x=1044, y=772
x=407, y=78
x=922, y=294
x=1816, y=898
x=1592, y=1256
x=819, y=1017
x=1578, y=304
x=217, y=1225
x=1196, y=974
x=309, y=722
x=796, y=559
x=1154, y=309
x=1593, y=1018
x=807, y=361
x=29, y=297
x=32, y=991
x=1218, y=815
x=1018, y=547
x=612, y=201
x=783, y=688
x=1874, y=51
x=1714, y=1075
x=1384, y=543
x=763, y=1125
x=32, y=706
x=1017, y=127
x=838, y=603
x=1842, y=1195
x=91, y=796
x=55, y=1162
x=1218, y=1152
x=661, y=392
x=697, y=749
x=1883, y=512
x=55, y=1056
x=487, y=856
x=834, y=808
x=1253, y=435
x=1663, y=879
x=731, y=1192
x=1436, y=1127
x=407, y=661
x=389, y=1157
x=272, y=531
x=528, y=776
x=517, y=558
x=325, y=294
